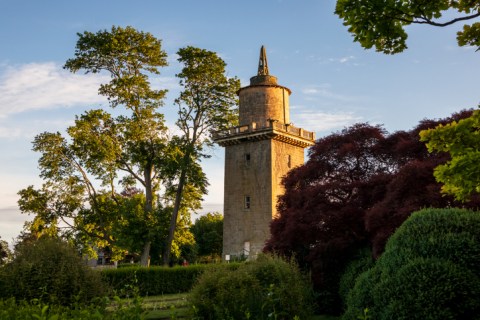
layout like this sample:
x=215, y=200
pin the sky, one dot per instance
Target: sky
x=334, y=81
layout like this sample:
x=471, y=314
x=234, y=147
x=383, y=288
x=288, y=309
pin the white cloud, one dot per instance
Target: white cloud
x=324, y=121
x=30, y=128
x=323, y=91
x=341, y=60
x=37, y=86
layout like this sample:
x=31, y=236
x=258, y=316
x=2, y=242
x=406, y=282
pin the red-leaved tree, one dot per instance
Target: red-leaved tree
x=357, y=187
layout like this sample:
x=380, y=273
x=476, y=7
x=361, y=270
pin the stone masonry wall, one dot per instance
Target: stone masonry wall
x=260, y=103
x=246, y=178
x=260, y=179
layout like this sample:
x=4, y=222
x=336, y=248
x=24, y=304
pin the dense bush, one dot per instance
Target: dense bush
x=51, y=271
x=429, y=289
x=360, y=263
x=266, y=288
x=451, y=234
x=101, y=309
x=430, y=270
x=158, y=280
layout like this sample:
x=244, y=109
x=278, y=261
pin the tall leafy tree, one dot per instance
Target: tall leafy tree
x=381, y=23
x=206, y=104
x=102, y=149
x=208, y=233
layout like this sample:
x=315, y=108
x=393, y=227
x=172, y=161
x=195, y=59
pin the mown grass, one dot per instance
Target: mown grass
x=169, y=306
x=175, y=306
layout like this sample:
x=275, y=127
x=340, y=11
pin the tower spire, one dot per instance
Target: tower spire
x=262, y=63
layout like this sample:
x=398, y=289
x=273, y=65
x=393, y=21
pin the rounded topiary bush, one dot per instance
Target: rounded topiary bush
x=360, y=297
x=263, y=289
x=361, y=262
x=50, y=270
x=429, y=289
x=451, y=234
x=430, y=270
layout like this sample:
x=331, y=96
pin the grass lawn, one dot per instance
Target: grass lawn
x=175, y=306
x=170, y=306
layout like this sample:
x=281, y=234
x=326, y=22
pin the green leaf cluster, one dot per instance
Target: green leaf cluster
x=461, y=174
x=267, y=288
x=381, y=23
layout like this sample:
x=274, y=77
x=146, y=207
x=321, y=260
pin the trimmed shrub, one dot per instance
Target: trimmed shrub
x=430, y=270
x=451, y=234
x=157, y=280
x=263, y=289
x=360, y=297
x=359, y=264
x=429, y=289
x=51, y=271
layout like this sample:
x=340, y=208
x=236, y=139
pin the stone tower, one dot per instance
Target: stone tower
x=258, y=153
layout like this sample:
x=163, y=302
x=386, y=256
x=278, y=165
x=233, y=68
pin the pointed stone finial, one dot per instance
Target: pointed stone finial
x=262, y=63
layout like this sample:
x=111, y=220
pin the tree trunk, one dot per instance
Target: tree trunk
x=176, y=209
x=145, y=258
x=147, y=174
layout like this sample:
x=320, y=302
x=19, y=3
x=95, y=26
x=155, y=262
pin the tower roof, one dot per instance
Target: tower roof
x=263, y=76
x=262, y=63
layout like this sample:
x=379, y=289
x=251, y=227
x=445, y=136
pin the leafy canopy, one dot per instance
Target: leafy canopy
x=207, y=103
x=84, y=168
x=129, y=56
x=461, y=139
x=381, y=23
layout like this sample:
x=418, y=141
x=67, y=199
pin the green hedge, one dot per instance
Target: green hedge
x=429, y=289
x=430, y=270
x=50, y=270
x=267, y=288
x=451, y=234
x=158, y=280
x=361, y=262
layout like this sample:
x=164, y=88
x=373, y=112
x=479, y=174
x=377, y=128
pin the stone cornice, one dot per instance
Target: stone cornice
x=275, y=131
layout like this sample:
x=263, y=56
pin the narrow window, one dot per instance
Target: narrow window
x=289, y=161
x=247, y=159
x=247, y=202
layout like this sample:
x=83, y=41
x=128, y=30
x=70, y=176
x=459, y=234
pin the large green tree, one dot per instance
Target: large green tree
x=82, y=170
x=101, y=152
x=208, y=233
x=207, y=103
x=460, y=175
x=381, y=23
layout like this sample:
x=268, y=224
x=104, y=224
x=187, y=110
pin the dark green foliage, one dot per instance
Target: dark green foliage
x=51, y=271
x=429, y=289
x=451, y=234
x=360, y=263
x=266, y=288
x=360, y=297
x=208, y=233
x=430, y=270
x=100, y=309
x=5, y=253
x=158, y=280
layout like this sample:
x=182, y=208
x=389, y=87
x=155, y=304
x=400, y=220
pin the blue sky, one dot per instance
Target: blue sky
x=334, y=81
